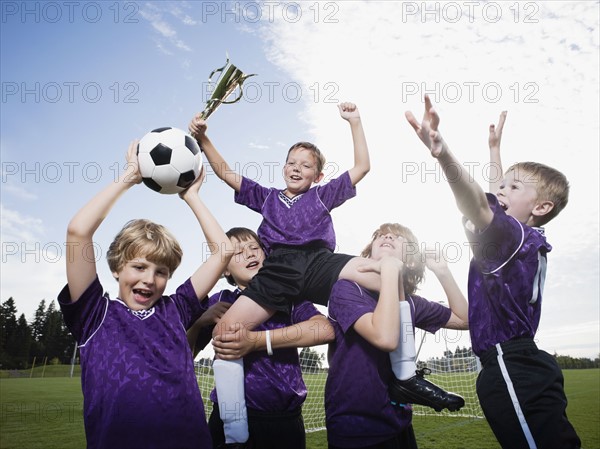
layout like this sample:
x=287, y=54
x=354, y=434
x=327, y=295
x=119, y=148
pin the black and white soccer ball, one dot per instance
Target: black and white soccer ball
x=169, y=159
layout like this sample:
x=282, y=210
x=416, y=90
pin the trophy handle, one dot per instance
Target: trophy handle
x=230, y=78
x=219, y=70
x=241, y=94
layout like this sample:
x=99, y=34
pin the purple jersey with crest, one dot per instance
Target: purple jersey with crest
x=137, y=373
x=272, y=383
x=506, y=279
x=357, y=405
x=302, y=220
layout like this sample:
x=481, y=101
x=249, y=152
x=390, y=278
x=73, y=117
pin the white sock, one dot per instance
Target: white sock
x=229, y=381
x=404, y=357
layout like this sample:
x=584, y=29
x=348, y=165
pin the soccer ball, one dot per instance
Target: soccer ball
x=169, y=160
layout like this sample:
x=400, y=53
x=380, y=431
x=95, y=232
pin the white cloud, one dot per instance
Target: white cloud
x=18, y=191
x=258, y=146
x=155, y=15
x=542, y=67
x=31, y=267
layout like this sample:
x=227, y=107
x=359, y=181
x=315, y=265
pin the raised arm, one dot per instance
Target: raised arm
x=469, y=195
x=207, y=275
x=382, y=327
x=362, y=164
x=81, y=260
x=459, y=318
x=197, y=129
x=497, y=174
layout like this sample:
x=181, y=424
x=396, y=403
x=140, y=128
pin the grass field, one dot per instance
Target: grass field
x=46, y=413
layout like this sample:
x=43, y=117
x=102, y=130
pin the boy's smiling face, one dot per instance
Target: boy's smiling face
x=141, y=283
x=300, y=171
x=518, y=196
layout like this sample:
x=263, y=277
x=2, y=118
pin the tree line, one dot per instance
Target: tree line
x=46, y=336
x=461, y=360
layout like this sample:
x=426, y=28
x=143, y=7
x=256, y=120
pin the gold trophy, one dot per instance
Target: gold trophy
x=230, y=78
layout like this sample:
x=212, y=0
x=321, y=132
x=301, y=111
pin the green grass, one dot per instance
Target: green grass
x=46, y=413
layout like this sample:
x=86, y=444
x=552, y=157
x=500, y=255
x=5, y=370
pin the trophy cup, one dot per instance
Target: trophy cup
x=230, y=78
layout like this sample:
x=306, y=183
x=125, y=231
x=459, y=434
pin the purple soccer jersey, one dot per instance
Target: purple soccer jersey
x=357, y=405
x=506, y=278
x=302, y=220
x=137, y=373
x=272, y=383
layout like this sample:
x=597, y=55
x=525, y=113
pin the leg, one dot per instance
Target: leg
x=229, y=375
x=410, y=386
x=404, y=357
x=525, y=403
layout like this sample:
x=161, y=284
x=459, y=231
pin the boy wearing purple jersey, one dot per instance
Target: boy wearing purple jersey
x=274, y=388
x=368, y=327
x=298, y=235
x=138, y=380
x=520, y=387
x=297, y=232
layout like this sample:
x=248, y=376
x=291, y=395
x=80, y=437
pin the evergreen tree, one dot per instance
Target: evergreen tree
x=37, y=326
x=8, y=329
x=38, y=348
x=22, y=343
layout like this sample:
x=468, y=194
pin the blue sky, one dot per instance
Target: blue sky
x=80, y=80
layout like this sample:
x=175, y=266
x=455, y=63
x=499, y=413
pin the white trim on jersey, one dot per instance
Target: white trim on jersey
x=515, y=399
x=101, y=322
x=539, y=279
x=516, y=250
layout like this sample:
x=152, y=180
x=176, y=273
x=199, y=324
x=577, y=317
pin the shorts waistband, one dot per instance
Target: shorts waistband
x=514, y=345
x=305, y=247
x=285, y=414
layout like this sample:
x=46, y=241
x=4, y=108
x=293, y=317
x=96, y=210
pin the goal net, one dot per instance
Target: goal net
x=453, y=371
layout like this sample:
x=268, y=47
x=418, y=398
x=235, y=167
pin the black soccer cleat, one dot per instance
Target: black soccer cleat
x=234, y=446
x=418, y=390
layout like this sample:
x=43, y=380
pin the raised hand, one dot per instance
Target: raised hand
x=348, y=111
x=434, y=260
x=194, y=187
x=496, y=131
x=495, y=159
x=132, y=171
x=197, y=126
x=429, y=122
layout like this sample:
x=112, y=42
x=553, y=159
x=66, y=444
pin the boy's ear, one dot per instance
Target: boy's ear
x=115, y=275
x=320, y=177
x=542, y=208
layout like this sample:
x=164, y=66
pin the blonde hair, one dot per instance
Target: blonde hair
x=552, y=185
x=143, y=238
x=319, y=157
x=414, y=267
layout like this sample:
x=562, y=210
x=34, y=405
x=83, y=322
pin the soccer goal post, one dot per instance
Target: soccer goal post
x=453, y=371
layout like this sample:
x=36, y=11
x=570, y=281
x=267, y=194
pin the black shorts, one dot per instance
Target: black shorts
x=292, y=273
x=522, y=396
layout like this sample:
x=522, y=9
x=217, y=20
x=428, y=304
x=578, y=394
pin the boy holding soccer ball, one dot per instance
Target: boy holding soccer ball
x=274, y=388
x=520, y=387
x=138, y=380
